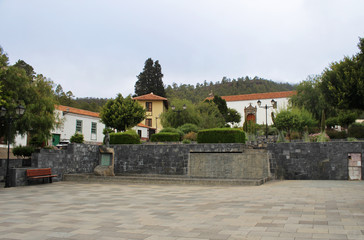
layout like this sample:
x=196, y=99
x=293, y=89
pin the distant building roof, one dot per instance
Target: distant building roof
x=150, y=97
x=257, y=96
x=77, y=111
x=144, y=126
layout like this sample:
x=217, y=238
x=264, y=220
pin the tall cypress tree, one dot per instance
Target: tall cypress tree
x=150, y=79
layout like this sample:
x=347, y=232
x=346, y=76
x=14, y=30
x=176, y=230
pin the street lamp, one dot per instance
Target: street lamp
x=274, y=105
x=179, y=120
x=184, y=107
x=19, y=112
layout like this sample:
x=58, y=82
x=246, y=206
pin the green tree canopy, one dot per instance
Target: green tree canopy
x=150, y=79
x=309, y=96
x=22, y=86
x=230, y=115
x=210, y=116
x=343, y=82
x=122, y=113
x=294, y=119
x=180, y=116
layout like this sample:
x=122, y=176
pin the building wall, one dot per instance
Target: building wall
x=144, y=132
x=19, y=140
x=157, y=109
x=68, y=127
x=260, y=115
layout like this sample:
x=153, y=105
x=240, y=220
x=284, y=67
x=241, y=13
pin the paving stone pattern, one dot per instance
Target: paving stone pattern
x=289, y=210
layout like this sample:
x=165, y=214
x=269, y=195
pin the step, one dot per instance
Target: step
x=161, y=179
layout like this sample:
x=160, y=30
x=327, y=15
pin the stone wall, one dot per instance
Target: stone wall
x=249, y=164
x=13, y=163
x=77, y=158
x=162, y=158
x=286, y=160
x=327, y=160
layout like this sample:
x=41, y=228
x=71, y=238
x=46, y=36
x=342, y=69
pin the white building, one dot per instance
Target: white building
x=77, y=120
x=247, y=105
x=143, y=131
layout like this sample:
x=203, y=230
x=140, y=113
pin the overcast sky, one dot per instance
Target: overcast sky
x=96, y=48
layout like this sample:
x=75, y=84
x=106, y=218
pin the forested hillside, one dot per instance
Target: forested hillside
x=227, y=86
x=195, y=94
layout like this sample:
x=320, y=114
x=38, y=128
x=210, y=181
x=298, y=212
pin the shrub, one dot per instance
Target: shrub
x=25, y=151
x=351, y=139
x=333, y=134
x=295, y=135
x=77, y=138
x=188, y=127
x=192, y=136
x=128, y=137
x=319, y=137
x=186, y=141
x=221, y=135
x=356, y=130
x=173, y=130
x=165, y=137
x=332, y=122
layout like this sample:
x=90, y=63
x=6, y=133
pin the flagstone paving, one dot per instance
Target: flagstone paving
x=290, y=210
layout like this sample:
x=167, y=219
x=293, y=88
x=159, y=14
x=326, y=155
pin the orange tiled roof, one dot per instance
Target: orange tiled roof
x=76, y=111
x=144, y=126
x=257, y=96
x=150, y=96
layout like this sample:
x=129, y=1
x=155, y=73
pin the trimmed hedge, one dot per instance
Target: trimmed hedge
x=165, y=137
x=221, y=135
x=333, y=134
x=356, y=130
x=25, y=151
x=77, y=138
x=173, y=130
x=128, y=137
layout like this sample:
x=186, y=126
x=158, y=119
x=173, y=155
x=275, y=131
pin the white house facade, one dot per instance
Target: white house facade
x=77, y=120
x=247, y=105
x=143, y=131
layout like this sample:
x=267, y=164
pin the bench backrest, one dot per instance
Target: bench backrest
x=38, y=172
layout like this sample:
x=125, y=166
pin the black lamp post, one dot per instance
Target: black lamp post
x=9, y=119
x=184, y=107
x=274, y=105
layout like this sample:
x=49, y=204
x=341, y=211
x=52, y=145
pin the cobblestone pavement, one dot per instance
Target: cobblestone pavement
x=292, y=210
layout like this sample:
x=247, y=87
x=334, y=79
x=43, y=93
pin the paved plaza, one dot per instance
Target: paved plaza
x=292, y=210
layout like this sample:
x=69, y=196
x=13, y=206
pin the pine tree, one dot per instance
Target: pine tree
x=150, y=79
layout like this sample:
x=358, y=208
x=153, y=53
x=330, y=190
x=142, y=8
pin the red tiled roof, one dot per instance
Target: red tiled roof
x=76, y=111
x=257, y=96
x=150, y=96
x=144, y=126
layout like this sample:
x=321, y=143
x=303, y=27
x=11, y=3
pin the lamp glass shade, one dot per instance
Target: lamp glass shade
x=3, y=112
x=184, y=107
x=274, y=103
x=19, y=110
x=173, y=107
x=259, y=103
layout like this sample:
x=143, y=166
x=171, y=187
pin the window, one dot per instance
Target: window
x=148, y=106
x=93, y=130
x=79, y=126
x=148, y=122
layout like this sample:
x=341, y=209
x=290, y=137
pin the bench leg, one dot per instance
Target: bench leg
x=50, y=180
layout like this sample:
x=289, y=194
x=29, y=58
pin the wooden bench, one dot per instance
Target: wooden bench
x=40, y=173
